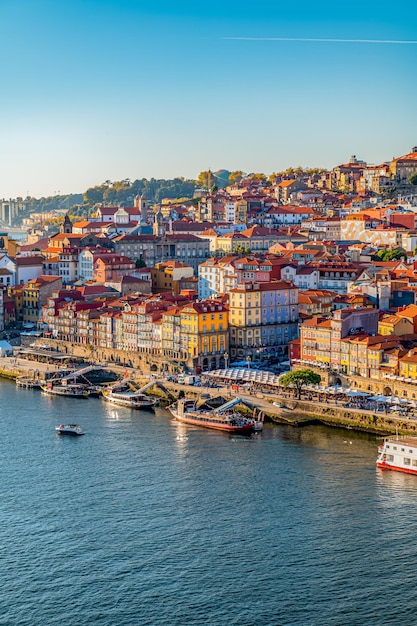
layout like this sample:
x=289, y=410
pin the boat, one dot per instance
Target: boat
x=398, y=454
x=222, y=418
x=28, y=383
x=69, y=391
x=125, y=395
x=69, y=429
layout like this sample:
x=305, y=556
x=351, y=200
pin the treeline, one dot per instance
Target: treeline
x=53, y=203
x=124, y=192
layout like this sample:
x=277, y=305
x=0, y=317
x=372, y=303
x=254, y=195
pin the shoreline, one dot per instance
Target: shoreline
x=295, y=413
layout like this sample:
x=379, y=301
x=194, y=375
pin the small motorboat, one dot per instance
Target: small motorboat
x=69, y=429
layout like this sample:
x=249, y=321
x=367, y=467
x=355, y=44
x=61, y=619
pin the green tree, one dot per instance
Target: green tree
x=204, y=180
x=413, y=179
x=242, y=249
x=390, y=255
x=257, y=176
x=235, y=177
x=299, y=379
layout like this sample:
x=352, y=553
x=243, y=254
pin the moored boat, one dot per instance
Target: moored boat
x=69, y=429
x=229, y=421
x=28, y=383
x=123, y=395
x=69, y=391
x=398, y=454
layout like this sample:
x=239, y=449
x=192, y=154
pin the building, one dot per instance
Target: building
x=263, y=318
x=321, y=338
x=167, y=276
x=35, y=294
x=405, y=166
x=205, y=334
x=111, y=267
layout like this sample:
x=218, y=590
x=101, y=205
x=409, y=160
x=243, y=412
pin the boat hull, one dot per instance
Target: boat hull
x=396, y=468
x=65, y=394
x=128, y=403
x=68, y=433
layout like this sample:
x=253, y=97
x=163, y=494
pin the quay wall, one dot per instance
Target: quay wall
x=342, y=417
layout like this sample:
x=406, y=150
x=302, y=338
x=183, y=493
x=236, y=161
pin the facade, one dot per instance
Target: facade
x=111, y=267
x=321, y=338
x=35, y=295
x=263, y=318
x=205, y=334
x=167, y=276
x=153, y=249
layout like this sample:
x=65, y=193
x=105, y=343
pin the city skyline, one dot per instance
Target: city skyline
x=99, y=90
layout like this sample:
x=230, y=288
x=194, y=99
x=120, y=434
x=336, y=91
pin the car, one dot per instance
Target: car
x=279, y=405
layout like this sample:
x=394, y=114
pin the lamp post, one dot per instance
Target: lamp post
x=249, y=359
x=226, y=358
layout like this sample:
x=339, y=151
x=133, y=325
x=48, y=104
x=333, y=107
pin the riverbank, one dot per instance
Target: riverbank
x=277, y=408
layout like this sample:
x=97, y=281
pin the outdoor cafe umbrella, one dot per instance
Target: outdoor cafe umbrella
x=379, y=398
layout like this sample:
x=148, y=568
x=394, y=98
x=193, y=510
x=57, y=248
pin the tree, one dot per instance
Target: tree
x=257, y=176
x=413, y=179
x=204, y=180
x=242, y=249
x=390, y=255
x=299, y=379
x=235, y=177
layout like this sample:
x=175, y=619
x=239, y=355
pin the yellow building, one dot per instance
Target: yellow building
x=166, y=277
x=395, y=325
x=408, y=365
x=204, y=334
x=35, y=295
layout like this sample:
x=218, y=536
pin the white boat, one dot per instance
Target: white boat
x=398, y=454
x=69, y=429
x=124, y=395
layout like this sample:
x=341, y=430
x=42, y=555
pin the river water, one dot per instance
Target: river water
x=147, y=521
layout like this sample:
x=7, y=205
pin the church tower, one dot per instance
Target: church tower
x=141, y=203
x=66, y=226
x=159, y=227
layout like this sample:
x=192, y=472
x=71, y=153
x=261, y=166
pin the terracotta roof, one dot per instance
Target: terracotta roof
x=29, y=260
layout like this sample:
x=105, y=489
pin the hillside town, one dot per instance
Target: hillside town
x=313, y=271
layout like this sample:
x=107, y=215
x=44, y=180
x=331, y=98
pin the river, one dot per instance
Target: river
x=147, y=521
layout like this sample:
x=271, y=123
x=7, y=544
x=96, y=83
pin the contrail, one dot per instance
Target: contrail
x=308, y=39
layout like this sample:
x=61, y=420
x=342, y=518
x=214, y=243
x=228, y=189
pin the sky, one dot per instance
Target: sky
x=96, y=90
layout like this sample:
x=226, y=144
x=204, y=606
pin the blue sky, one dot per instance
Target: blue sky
x=97, y=89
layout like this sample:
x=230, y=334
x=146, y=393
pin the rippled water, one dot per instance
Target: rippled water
x=146, y=521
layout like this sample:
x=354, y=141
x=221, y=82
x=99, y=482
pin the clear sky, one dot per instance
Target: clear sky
x=110, y=89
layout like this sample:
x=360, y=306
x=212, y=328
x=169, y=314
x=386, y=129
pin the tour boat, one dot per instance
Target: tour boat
x=127, y=397
x=185, y=411
x=399, y=454
x=69, y=391
x=69, y=429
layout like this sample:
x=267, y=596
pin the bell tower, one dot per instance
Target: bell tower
x=159, y=227
x=67, y=225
